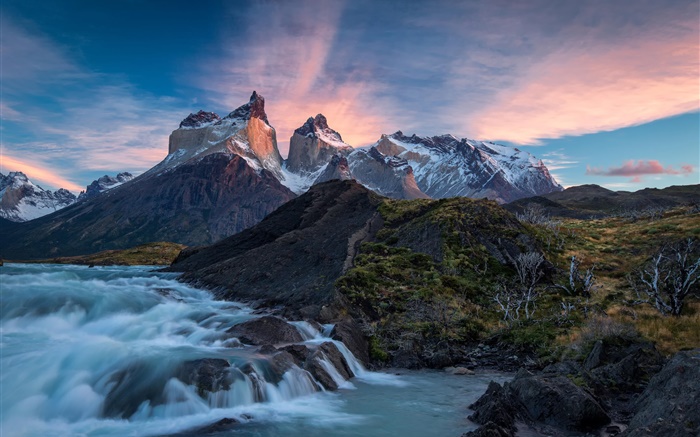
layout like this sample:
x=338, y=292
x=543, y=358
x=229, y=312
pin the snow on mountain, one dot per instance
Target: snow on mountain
x=104, y=183
x=245, y=132
x=21, y=200
x=445, y=166
x=389, y=176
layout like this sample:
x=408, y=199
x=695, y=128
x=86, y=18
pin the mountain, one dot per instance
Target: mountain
x=103, y=184
x=585, y=201
x=389, y=176
x=219, y=177
x=416, y=167
x=313, y=144
x=21, y=200
x=294, y=256
x=444, y=166
x=225, y=174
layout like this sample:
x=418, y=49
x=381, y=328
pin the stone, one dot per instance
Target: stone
x=265, y=330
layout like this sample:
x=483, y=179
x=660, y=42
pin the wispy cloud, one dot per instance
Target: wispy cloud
x=638, y=169
x=50, y=176
x=558, y=160
x=599, y=82
x=84, y=121
x=285, y=54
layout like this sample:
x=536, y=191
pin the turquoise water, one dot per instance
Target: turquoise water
x=93, y=352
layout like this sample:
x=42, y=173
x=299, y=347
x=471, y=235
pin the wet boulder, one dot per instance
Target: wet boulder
x=669, y=404
x=327, y=365
x=208, y=374
x=265, y=330
x=557, y=401
x=350, y=333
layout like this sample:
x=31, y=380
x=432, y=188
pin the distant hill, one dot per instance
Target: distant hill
x=584, y=201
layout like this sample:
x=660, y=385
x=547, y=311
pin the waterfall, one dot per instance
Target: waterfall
x=83, y=348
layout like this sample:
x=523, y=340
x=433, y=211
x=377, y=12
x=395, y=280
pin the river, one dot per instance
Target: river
x=93, y=352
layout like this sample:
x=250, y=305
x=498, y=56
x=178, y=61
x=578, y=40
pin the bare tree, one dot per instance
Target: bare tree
x=579, y=285
x=667, y=279
x=523, y=292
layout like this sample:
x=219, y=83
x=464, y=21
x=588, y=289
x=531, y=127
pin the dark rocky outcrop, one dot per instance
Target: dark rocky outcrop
x=329, y=353
x=337, y=168
x=621, y=379
x=207, y=374
x=350, y=333
x=557, y=401
x=265, y=330
x=390, y=176
x=669, y=405
x=314, y=239
x=199, y=119
x=549, y=400
x=196, y=203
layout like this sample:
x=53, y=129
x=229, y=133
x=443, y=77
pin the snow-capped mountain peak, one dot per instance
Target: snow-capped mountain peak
x=445, y=166
x=103, y=184
x=22, y=200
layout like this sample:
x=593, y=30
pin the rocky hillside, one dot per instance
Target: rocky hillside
x=294, y=256
x=585, y=201
x=103, y=184
x=198, y=202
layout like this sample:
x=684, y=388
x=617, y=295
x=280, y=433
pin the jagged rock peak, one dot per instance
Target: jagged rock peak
x=316, y=124
x=255, y=108
x=15, y=176
x=200, y=119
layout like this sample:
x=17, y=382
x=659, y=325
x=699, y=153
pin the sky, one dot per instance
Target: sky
x=604, y=92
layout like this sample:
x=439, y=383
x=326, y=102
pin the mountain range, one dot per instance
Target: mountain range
x=225, y=174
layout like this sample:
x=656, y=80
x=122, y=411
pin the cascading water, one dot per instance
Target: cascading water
x=125, y=351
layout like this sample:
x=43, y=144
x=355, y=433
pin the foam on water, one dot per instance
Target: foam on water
x=95, y=351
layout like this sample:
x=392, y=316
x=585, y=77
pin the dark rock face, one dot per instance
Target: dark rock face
x=199, y=119
x=194, y=204
x=337, y=168
x=314, y=240
x=208, y=374
x=669, y=404
x=350, y=333
x=387, y=175
x=329, y=353
x=552, y=400
x=558, y=402
x=265, y=330
x=495, y=407
x=255, y=108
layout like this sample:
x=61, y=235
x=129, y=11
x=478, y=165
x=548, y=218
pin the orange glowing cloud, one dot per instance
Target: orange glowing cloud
x=574, y=91
x=36, y=173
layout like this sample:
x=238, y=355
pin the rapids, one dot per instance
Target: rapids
x=95, y=352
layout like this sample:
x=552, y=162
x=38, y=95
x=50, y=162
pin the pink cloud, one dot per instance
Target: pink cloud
x=638, y=169
x=586, y=87
x=36, y=172
x=285, y=58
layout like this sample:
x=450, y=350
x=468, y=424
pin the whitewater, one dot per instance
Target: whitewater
x=97, y=351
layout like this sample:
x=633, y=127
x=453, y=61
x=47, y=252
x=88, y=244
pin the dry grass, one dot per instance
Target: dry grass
x=618, y=246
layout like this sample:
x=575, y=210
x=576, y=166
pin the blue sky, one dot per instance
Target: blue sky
x=604, y=92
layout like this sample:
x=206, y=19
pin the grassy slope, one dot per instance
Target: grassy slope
x=424, y=299
x=161, y=253
x=617, y=246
